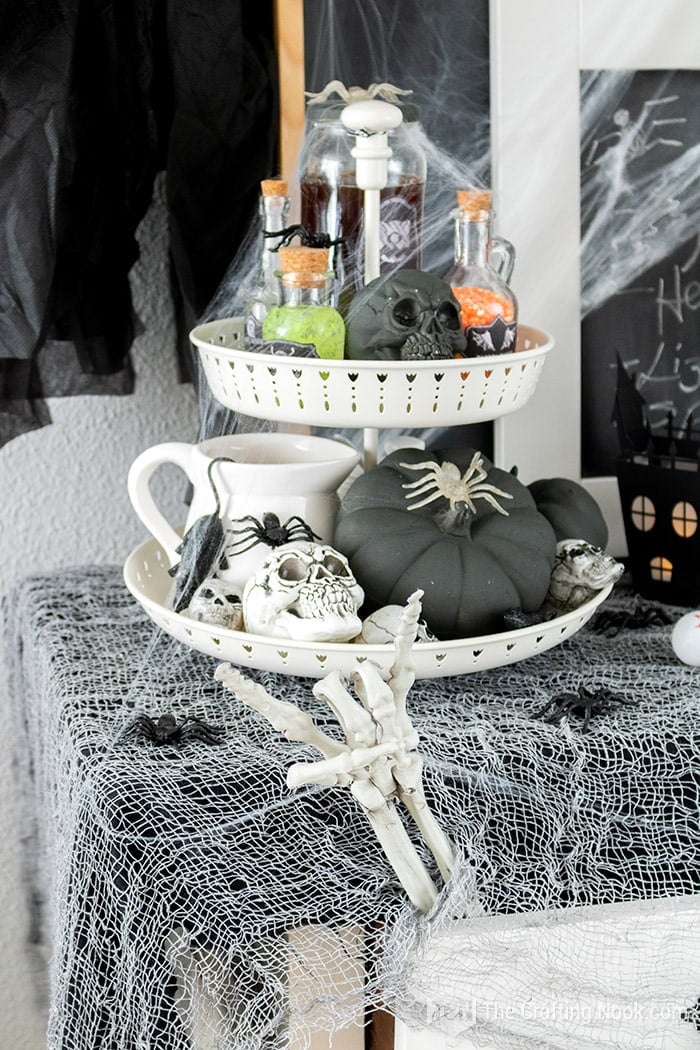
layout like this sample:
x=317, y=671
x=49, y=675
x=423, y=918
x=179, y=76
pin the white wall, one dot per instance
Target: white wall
x=63, y=501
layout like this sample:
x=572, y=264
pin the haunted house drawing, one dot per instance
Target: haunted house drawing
x=658, y=474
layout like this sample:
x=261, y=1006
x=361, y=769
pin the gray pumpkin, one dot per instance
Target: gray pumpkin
x=476, y=551
x=570, y=509
x=409, y=315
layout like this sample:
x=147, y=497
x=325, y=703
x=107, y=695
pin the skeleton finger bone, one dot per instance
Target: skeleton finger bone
x=379, y=699
x=283, y=716
x=357, y=723
x=401, y=674
x=337, y=771
x=376, y=697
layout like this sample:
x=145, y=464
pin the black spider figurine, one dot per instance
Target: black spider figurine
x=642, y=615
x=270, y=531
x=516, y=619
x=692, y=1015
x=308, y=238
x=584, y=703
x=167, y=730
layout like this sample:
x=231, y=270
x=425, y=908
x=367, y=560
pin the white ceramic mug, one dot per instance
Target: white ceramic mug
x=289, y=475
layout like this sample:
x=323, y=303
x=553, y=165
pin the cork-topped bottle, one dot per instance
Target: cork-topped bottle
x=264, y=293
x=304, y=314
x=482, y=267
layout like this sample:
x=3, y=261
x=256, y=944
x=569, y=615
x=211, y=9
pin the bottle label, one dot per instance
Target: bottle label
x=253, y=327
x=495, y=338
x=398, y=237
x=399, y=231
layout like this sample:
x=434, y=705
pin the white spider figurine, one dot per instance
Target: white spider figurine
x=378, y=760
x=357, y=94
x=444, y=479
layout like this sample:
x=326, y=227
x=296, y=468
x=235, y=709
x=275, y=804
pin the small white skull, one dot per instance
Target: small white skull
x=381, y=627
x=580, y=569
x=304, y=591
x=215, y=602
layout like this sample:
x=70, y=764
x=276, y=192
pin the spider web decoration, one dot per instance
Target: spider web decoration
x=196, y=902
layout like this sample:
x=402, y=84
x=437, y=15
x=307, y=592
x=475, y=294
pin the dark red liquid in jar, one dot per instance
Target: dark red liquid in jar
x=337, y=211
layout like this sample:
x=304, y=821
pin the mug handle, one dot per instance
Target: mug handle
x=177, y=452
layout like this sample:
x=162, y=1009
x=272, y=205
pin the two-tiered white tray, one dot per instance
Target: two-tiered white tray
x=357, y=394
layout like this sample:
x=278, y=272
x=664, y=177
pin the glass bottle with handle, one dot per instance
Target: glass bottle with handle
x=479, y=278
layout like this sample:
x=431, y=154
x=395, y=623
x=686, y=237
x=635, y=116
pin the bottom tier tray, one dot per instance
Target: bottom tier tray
x=146, y=577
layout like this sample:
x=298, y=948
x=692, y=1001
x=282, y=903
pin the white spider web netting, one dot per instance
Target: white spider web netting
x=198, y=903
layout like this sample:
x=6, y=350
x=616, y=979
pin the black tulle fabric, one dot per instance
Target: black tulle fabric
x=95, y=100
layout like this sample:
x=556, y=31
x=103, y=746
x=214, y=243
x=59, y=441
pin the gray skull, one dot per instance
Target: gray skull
x=216, y=603
x=408, y=316
x=580, y=569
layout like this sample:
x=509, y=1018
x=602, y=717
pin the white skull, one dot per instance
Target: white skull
x=580, y=569
x=215, y=602
x=304, y=591
x=382, y=627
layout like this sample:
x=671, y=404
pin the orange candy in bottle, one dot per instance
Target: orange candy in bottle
x=489, y=308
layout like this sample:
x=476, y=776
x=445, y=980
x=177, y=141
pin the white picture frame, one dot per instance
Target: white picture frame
x=537, y=52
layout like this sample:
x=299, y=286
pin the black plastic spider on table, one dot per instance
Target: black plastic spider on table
x=585, y=703
x=167, y=730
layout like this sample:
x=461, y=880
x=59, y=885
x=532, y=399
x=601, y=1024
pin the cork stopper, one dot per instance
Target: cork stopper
x=304, y=267
x=476, y=203
x=274, y=187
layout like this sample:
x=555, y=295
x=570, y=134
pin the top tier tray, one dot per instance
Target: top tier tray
x=378, y=394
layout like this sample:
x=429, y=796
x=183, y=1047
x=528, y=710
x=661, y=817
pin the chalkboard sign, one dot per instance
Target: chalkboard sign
x=640, y=259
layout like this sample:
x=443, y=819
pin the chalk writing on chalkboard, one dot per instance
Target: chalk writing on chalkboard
x=640, y=249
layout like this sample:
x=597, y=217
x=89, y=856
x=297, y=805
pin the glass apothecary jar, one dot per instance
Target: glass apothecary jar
x=331, y=201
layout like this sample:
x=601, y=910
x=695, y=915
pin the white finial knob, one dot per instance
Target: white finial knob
x=369, y=120
x=371, y=116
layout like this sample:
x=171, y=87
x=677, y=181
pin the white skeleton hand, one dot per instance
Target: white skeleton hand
x=378, y=760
